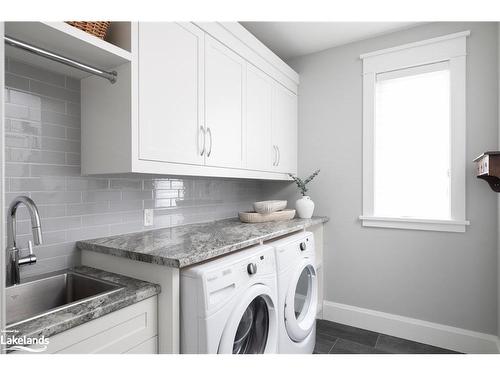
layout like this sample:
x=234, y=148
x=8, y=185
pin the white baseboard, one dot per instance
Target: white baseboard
x=444, y=336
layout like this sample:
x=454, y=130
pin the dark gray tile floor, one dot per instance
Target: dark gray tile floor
x=335, y=338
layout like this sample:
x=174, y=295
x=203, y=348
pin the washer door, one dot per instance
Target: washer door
x=301, y=302
x=251, y=328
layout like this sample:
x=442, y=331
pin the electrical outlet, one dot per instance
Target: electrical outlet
x=148, y=217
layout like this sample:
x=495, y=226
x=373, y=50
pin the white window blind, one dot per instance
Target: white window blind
x=414, y=138
x=412, y=143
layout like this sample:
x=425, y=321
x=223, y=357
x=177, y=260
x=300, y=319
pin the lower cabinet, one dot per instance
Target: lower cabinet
x=132, y=329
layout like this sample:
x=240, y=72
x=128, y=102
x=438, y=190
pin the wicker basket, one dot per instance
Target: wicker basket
x=98, y=28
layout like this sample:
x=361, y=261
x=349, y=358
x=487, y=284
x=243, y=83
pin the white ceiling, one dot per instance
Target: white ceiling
x=292, y=39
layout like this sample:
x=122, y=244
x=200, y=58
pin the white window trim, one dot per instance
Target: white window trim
x=448, y=48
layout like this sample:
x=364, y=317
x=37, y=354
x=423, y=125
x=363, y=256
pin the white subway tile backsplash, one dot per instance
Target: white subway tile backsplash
x=54, y=92
x=87, y=208
x=125, y=184
x=72, y=83
x=73, y=159
x=24, y=127
x=43, y=161
x=22, y=140
x=73, y=133
x=22, y=69
x=53, y=105
x=21, y=112
x=54, y=170
x=57, y=144
x=126, y=228
x=16, y=82
x=162, y=194
x=17, y=170
x=46, y=211
x=87, y=233
x=38, y=184
x=137, y=195
x=120, y=206
x=80, y=184
x=101, y=196
x=25, y=99
x=57, y=197
x=35, y=156
x=73, y=109
x=98, y=219
x=54, y=131
x=60, y=119
x=61, y=223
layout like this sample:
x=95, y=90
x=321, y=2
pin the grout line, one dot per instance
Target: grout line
x=334, y=343
x=376, y=342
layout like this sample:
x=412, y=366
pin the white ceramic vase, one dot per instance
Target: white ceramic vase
x=305, y=207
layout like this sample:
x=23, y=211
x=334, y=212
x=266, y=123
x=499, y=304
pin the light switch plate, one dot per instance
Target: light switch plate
x=148, y=217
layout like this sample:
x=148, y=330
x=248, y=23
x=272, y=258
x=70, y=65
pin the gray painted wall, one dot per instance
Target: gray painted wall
x=42, y=138
x=445, y=278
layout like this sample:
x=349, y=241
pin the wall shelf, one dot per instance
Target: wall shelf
x=61, y=38
x=488, y=169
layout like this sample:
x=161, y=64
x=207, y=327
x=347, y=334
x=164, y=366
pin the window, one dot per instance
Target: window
x=414, y=136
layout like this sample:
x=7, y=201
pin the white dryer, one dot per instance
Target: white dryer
x=228, y=305
x=297, y=293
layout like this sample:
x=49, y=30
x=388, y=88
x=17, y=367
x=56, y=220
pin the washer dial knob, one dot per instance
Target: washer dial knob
x=303, y=246
x=252, y=268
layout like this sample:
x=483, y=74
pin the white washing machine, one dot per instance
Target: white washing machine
x=297, y=293
x=228, y=305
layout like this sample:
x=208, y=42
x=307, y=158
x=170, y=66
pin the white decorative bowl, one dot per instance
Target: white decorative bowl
x=267, y=207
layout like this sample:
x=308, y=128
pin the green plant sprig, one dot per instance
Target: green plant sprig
x=302, y=184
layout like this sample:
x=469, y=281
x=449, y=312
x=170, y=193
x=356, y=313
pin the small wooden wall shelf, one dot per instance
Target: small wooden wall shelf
x=488, y=168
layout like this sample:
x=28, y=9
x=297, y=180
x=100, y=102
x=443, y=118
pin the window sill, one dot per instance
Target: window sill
x=415, y=224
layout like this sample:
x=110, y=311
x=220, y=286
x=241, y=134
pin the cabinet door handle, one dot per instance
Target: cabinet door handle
x=279, y=155
x=202, y=130
x=210, y=149
x=275, y=155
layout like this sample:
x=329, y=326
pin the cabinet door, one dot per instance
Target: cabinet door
x=284, y=129
x=171, y=92
x=224, y=71
x=260, y=154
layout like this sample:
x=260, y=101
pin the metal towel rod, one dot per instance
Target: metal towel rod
x=110, y=76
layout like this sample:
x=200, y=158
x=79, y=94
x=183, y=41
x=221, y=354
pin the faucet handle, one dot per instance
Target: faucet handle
x=28, y=259
x=30, y=247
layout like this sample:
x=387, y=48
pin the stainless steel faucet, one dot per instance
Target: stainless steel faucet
x=14, y=261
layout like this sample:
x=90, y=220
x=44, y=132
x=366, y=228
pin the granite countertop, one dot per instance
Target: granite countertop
x=186, y=245
x=62, y=319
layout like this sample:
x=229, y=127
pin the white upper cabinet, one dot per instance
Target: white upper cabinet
x=259, y=148
x=284, y=129
x=171, y=92
x=197, y=99
x=224, y=71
